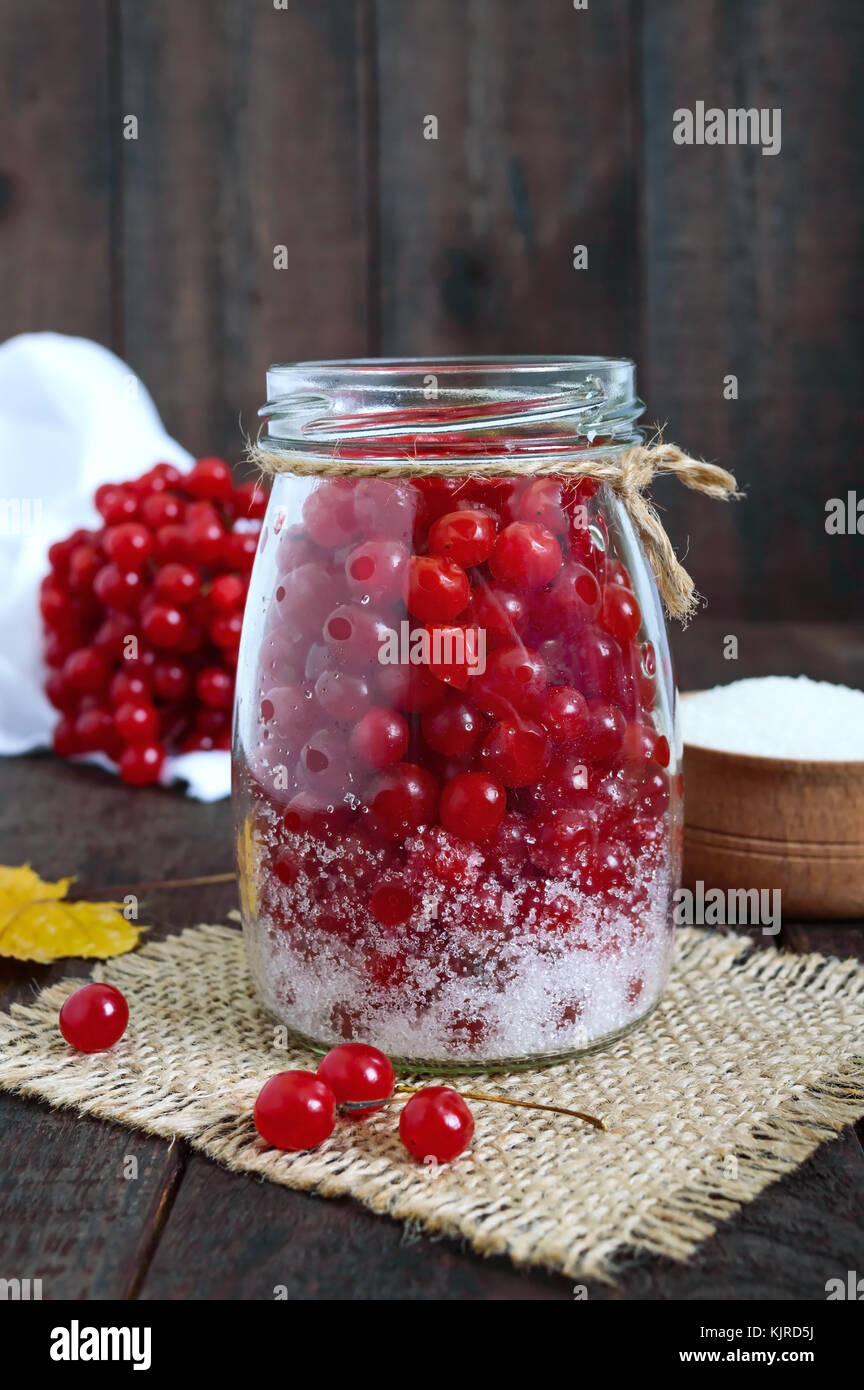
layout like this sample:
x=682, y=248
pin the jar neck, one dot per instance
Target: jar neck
x=452, y=407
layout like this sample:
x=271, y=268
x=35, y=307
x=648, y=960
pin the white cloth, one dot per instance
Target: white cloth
x=72, y=416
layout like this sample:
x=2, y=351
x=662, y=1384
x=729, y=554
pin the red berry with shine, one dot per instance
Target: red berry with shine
x=465, y=536
x=438, y=588
x=358, y=1072
x=380, y=738
x=377, y=570
x=453, y=728
x=473, y=805
x=129, y=545
x=620, y=613
x=141, y=764
x=94, y=1018
x=214, y=687
x=295, y=1110
x=165, y=626
x=136, y=722
x=526, y=555
x=210, y=479
x=392, y=903
x=177, y=584
x=436, y=1124
x=403, y=798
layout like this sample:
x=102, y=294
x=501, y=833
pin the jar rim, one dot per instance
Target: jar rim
x=398, y=406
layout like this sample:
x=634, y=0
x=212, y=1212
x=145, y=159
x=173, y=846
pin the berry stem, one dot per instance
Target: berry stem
x=525, y=1104
x=112, y=890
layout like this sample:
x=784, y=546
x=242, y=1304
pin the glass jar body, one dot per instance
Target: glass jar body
x=456, y=767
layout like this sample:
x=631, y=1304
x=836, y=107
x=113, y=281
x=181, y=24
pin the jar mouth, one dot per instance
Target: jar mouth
x=393, y=407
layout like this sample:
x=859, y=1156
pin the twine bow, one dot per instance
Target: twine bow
x=628, y=475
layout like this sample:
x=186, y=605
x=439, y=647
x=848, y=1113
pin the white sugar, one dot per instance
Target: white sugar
x=778, y=717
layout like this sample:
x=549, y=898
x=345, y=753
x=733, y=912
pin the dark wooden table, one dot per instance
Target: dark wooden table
x=188, y=1229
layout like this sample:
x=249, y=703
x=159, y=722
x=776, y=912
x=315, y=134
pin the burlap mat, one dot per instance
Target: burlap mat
x=752, y=1060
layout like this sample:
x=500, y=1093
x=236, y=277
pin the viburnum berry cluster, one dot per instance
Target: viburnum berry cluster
x=434, y=833
x=143, y=616
x=297, y=1109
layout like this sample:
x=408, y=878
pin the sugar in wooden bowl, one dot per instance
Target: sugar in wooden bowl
x=774, y=792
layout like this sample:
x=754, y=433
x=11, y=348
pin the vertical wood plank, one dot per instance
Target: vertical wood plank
x=752, y=267
x=55, y=169
x=535, y=154
x=251, y=136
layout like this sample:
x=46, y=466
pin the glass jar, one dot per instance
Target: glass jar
x=456, y=752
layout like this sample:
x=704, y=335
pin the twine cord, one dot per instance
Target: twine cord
x=628, y=475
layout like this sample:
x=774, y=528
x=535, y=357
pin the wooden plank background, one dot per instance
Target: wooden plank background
x=302, y=127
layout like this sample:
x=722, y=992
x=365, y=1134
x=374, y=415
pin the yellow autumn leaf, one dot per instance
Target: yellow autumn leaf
x=35, y=924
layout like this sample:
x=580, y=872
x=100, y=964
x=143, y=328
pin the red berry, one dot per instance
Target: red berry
x=453, y=728
x=564, y=712
x=466, y=537
x=214, y=687
x=161, y=509
x=358, y=1072
x=384, y=508
x=177, y=584
x=136, y=722
x=227, y=593
x=323, y=761
x=410, y=688
x=515, y=752
x=473, y=805
x=392, y=904
x=328, y=513
x=403, y=798
x=115, y=504
x=620, y=613
x=570, y=604
x=380, y=738
x=118, y=588
x=210, y=478
x=226, y=631
x=141, y=764
x=544, y=502
x=171, y=679
x=239, y=549
x=526, y=555
x=438, y=588
x=95, y=731
x=86, y=670
x=127, y=685
x=94, y=1018
x=559, y=840
x=512, y=684
x=85, y=563
x=436, y=1124
x=165, y=626
x=605, y=732
x=295, y=1110
x=343, y=695
x=377, y=570
x=128, y=545
x=502, y=615
x=354, y=634
x=65, y=740
x=172, y=543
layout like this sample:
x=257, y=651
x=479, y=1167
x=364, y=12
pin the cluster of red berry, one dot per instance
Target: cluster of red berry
x=143, y=617
x=297, y=1109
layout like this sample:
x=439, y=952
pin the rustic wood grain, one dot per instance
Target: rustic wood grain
x=252, y=136
x=56, y=169
x=535, y=153
x=752, y=266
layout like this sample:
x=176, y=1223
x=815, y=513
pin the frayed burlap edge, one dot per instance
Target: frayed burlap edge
x=138, y=1086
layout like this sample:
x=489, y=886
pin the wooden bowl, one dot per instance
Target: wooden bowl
x=796, y=825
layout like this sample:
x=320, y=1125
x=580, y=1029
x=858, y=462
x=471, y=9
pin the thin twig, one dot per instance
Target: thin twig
x=525, y=1104
x=112, y=890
